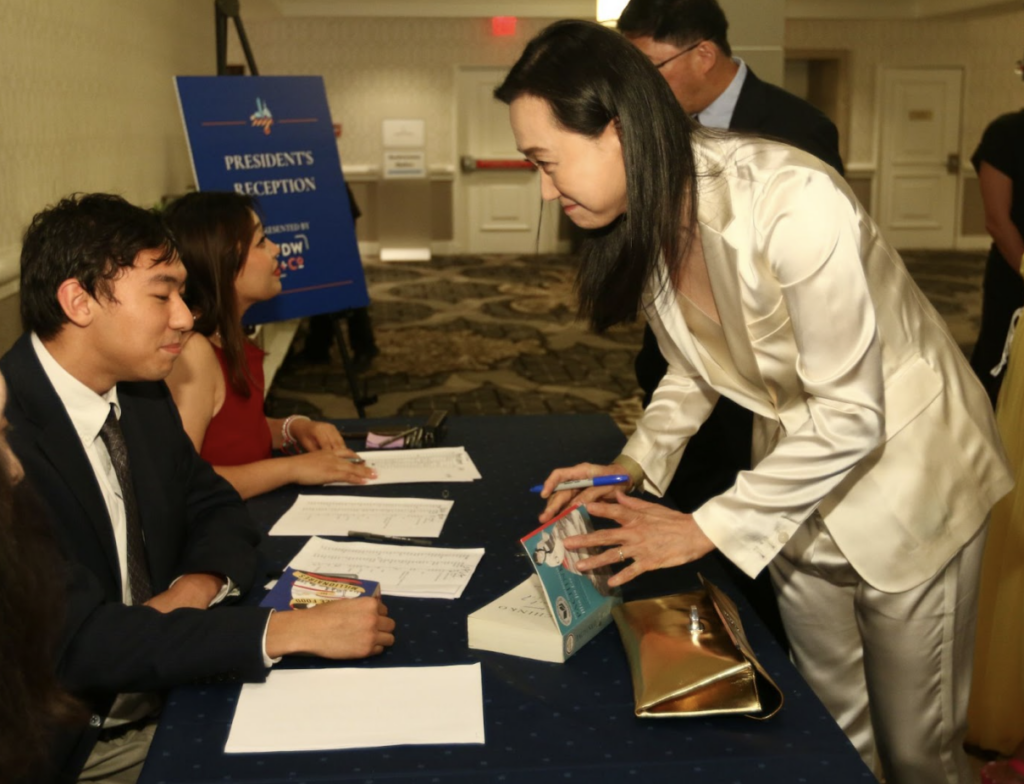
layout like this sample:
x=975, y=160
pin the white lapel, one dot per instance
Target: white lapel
x=723, y=256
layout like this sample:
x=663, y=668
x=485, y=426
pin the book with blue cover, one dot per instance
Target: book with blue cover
x=557, y=610
x=300, y=590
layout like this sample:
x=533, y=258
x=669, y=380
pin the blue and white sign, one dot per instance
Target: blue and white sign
x=271, y=137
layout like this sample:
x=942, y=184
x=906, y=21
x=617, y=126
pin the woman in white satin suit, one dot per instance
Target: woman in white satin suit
x=876, y=458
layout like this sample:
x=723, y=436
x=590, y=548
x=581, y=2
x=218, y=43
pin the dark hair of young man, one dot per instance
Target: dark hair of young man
x=681, y=22
x=90, y=238
x=213, y=231
x=32, y=704
x=591, y=76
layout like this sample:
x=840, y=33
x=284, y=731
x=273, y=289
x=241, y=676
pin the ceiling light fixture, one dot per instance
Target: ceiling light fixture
x=609, y=11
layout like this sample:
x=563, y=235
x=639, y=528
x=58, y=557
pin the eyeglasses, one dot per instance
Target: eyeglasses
x=690, y=48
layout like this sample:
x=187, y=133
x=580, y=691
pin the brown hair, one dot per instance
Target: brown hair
x=213, y=231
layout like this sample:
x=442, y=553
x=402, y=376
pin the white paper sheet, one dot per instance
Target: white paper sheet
x=439, y=464
x=348, y=708
x=401, y=570
x=336, y=515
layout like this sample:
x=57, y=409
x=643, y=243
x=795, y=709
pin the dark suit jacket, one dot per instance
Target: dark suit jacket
x=766, y=110
x=192, y=520
x=762, y=109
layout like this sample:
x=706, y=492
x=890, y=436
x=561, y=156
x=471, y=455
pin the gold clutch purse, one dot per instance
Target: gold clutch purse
x=688, y=656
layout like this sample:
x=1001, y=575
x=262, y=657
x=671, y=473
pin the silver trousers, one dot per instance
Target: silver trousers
x=893, y=669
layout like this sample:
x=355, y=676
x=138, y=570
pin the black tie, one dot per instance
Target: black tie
x=138, y=572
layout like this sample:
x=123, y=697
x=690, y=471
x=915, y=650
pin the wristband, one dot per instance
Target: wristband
x=286, y=429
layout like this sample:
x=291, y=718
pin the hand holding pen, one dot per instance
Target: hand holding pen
x=329, y=465
x=579, y=484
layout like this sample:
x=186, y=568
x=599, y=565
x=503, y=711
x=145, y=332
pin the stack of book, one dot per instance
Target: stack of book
x=555, y=611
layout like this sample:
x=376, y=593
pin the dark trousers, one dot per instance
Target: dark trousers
x=711, y=460
x=1001, y=294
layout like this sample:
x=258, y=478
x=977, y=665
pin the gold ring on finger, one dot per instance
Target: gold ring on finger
x=622, y=558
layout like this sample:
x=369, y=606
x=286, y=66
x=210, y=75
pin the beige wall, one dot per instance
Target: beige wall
x=376, y=69
x=985, y=45
x=756, y=33
x=88, y=104
x=387, y=68
x=397, y=68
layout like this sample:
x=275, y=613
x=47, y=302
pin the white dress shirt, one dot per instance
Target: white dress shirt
x=88, y=411
x=719, y=113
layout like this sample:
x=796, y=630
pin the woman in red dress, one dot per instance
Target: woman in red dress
x=218, y=382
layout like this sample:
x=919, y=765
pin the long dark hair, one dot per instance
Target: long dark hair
x=32, y=703
x=591, y=76
x=213, y=231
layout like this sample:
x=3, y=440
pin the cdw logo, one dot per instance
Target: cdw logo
x=300, y=245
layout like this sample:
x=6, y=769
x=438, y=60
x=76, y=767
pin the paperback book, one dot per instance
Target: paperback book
x=558, y=609
x=301, y=590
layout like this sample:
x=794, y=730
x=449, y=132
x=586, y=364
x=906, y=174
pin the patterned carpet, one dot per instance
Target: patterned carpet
x=498, y=335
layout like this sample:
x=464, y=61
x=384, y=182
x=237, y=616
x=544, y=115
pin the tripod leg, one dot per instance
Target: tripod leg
x=244, y=40
x=360, y=401
x=221, y=27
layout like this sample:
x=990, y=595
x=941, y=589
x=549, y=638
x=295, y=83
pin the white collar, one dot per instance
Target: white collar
x=88, y=410
x=719, y=113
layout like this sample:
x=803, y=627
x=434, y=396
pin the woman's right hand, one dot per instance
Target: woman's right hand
x=560, y=500
x=329, y=465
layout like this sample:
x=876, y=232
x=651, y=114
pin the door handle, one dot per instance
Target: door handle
x=470, y=164
x=953, y=163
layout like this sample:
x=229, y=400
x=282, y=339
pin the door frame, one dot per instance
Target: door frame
x=841, y=60
x=550, y=218
x=876, y=142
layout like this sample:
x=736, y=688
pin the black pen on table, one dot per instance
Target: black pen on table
x=394, y=438
x=366, y=536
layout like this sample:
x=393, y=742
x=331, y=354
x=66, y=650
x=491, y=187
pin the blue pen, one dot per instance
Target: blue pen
x=576, y=484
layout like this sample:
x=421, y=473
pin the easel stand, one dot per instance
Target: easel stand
x=225, y=11
x=360, y=400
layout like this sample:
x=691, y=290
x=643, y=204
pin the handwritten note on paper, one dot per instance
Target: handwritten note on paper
x=336, y=515
x=440, y=464
x=348, y=708
x=422, y=572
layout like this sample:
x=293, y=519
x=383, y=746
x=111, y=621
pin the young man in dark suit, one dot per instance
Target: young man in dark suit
x=153, y=537
x=687, y=41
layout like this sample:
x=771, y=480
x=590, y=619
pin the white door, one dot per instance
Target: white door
x=497, y=210
x=919, y=174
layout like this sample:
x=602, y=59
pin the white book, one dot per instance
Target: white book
x=555, y=611
x=518, y=623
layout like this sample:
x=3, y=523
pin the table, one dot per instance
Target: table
x=543, y=722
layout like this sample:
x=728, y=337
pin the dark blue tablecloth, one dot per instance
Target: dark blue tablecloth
x=543, y=722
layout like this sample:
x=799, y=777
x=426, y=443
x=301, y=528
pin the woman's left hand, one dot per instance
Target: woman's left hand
x=314, y=436
x=650, y=536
